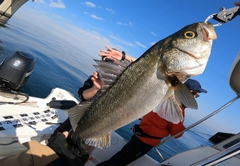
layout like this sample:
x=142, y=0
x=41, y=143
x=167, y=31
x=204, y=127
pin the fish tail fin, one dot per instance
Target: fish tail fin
x=101, y=142
x=76, y=113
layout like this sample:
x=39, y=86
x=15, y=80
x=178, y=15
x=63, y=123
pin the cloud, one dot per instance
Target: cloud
x=58, y=4
x=110, y=11
x=154, y=34
x=129, y=24
x=90, y=4
x=140, y=44
x=122, y=41
x=57, y=16
x=96, y=17
x=40, y=1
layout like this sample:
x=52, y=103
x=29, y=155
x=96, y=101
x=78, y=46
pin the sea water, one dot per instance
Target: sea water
x=59, y=64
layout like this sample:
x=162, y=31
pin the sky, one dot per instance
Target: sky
x=134, y=26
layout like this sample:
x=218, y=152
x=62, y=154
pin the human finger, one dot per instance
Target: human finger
x=97, y=84
x=95, y=75
x=108, y=48
x=65, y=133
x=104, y=53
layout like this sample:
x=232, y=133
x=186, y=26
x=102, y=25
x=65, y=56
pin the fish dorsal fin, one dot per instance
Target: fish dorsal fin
x=109, y=71
x=76, y=113
x=115, y=67
x=101, y=142
x=106, y=83
x=169, y=109
x=124, y=63
x=184, y=97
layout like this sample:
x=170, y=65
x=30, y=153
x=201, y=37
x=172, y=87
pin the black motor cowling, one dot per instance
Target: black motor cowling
x=16, y=69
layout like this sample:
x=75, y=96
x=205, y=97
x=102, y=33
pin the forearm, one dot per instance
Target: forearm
x=129, y=58
x=89, y=93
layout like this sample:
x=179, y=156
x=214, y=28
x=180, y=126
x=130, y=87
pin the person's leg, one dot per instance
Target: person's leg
x=133, y=150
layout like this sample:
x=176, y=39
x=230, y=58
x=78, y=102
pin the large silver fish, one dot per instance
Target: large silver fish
x=152, y=82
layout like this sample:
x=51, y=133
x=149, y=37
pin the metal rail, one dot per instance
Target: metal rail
x=220, y=156
x=198, y=122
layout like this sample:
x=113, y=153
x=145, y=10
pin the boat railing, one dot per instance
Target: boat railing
x=220, y=156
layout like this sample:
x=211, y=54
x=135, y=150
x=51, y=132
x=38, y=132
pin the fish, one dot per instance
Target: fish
x=152, y=82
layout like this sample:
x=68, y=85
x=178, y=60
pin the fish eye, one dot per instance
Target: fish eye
x=189, y=34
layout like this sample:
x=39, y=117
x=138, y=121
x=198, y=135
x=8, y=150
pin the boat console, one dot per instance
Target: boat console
x=31, y=120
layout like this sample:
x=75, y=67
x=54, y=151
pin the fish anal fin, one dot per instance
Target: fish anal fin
x=100, y=142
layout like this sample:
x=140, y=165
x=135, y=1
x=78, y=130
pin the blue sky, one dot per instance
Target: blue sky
x=133, y=26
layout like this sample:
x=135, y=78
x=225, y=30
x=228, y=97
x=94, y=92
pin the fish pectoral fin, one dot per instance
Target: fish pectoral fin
x=101, y=142
x=184, y=97
x=168, y=109
x=76, y=113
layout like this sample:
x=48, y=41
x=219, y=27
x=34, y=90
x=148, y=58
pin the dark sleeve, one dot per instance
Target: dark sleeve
x=87, y=84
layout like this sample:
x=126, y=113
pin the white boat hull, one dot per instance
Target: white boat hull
x=27, y=121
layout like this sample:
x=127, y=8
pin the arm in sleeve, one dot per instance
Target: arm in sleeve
x=87, y=84
x=176, y=128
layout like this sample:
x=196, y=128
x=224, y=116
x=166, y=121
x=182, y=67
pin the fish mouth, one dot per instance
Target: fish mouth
x=208, y=31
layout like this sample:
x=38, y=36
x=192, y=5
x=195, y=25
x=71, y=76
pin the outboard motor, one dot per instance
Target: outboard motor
x=16, y=69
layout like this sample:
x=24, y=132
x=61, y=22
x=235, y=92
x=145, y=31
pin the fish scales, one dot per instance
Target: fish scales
x=153, y=80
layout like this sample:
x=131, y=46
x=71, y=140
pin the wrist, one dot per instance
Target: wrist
x=96, y=88
x=123, y=56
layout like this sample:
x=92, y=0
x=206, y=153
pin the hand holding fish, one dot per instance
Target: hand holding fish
x=97, y=84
